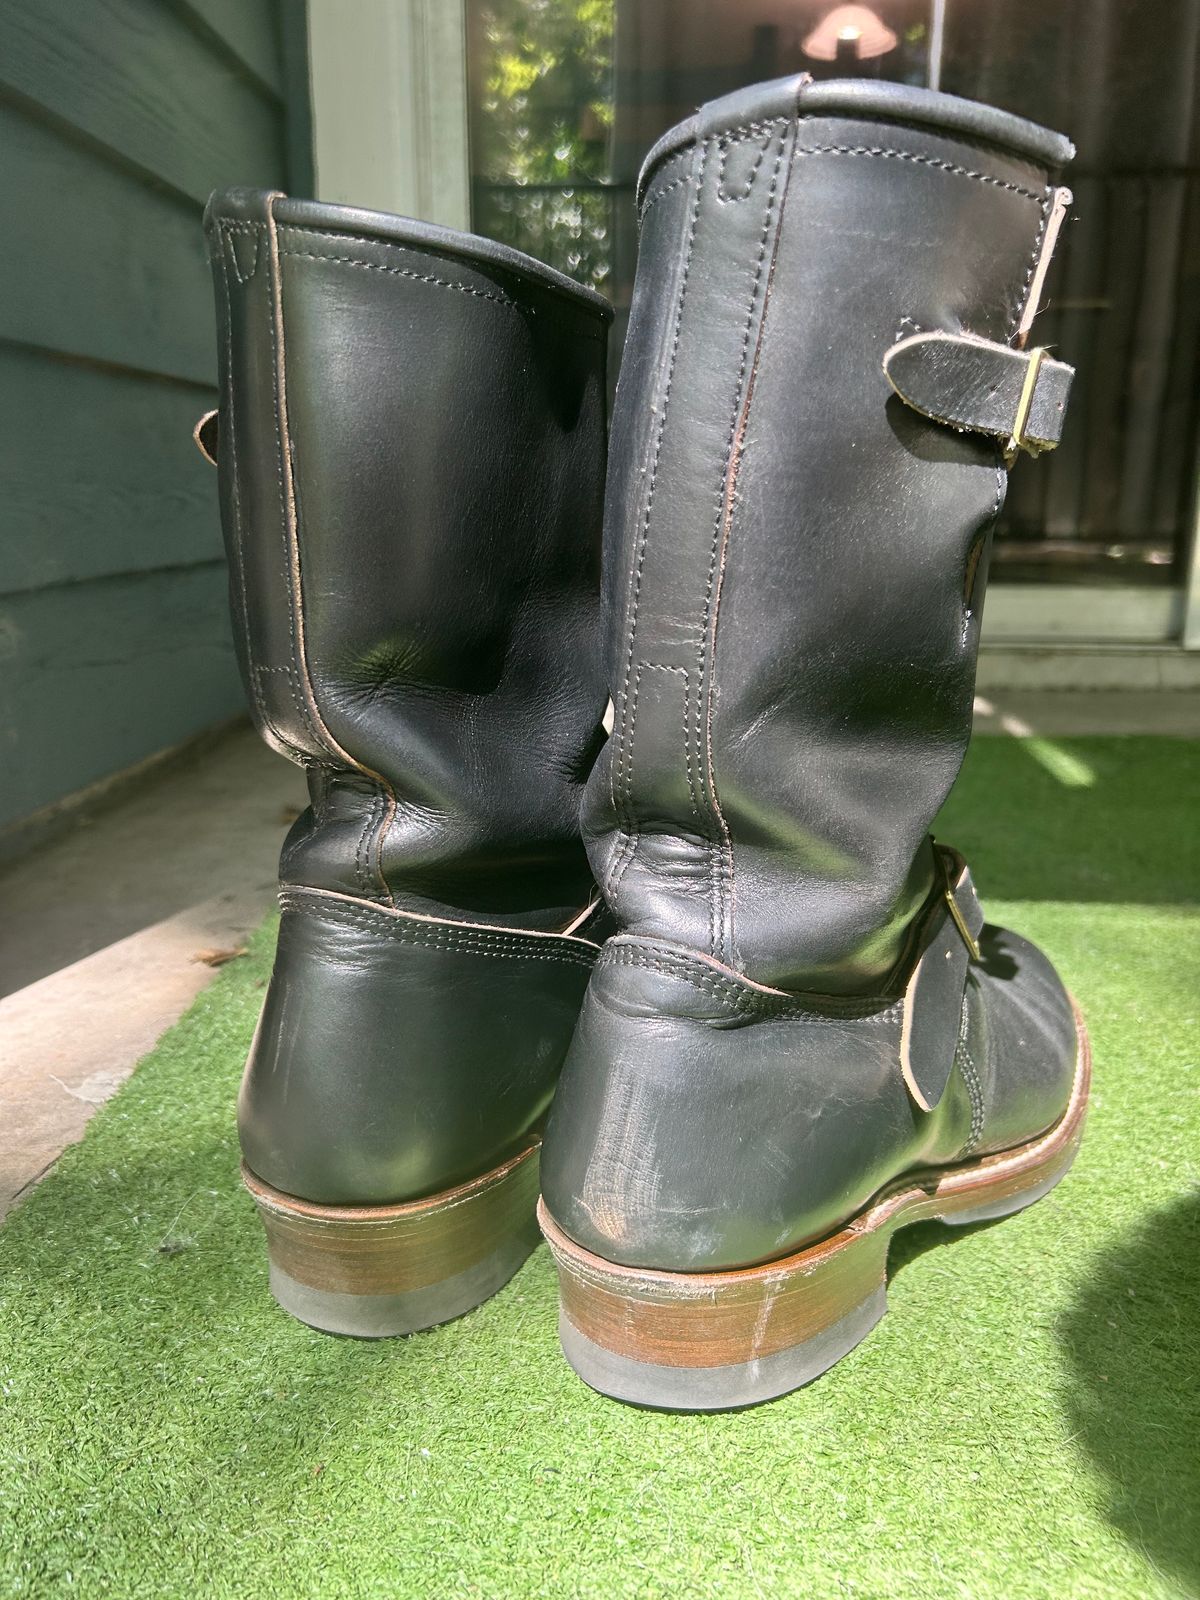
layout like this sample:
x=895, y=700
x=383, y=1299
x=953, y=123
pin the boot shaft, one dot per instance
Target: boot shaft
x=412, y=460
x=795, y=557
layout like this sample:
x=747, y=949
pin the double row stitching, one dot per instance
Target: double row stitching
x=473, y=941
x=361, y=867
x=738, y=999
x=291, y=531
x=970, y=1077
x=624, y=758
x=659, y=666
x=721, y=856
x=652, y=200
x=725, y=197
x=293, y=601
x=225, y=250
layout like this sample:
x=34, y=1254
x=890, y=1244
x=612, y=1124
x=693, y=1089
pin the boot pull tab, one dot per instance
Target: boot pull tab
x=976, y=386
x=207, y=436
x=933, y=998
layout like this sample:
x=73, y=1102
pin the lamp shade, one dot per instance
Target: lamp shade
x=851, y=29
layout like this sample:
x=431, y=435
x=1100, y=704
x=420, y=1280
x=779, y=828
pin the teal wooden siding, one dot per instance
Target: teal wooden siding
x=116, y=121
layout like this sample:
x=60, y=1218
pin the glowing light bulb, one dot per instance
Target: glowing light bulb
x=850, y=25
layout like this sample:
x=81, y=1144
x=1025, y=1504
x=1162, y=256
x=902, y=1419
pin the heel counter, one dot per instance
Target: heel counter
x=702, y=1123
x=398, y=1055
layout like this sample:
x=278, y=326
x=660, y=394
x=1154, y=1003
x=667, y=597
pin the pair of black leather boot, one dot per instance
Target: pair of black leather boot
x=782, y=1025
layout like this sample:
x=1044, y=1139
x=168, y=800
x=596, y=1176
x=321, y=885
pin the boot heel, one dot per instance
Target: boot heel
x=375, y=1271
x=712, y=1341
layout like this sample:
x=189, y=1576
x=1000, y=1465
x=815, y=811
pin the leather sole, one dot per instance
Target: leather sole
x=715, y=1341
x=377, y=1271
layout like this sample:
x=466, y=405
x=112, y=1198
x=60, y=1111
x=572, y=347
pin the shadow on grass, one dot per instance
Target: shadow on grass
x=1079, y=819
x=1132, y=1341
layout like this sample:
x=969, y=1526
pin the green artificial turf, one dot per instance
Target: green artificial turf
x=1025, y=1422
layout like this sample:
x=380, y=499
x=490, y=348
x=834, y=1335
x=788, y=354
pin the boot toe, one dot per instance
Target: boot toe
x=1021, y=1043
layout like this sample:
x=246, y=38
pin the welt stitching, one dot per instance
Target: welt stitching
x=468, y=942
x=725, y=990
x=727, y=198
x=921, y=161
x=625, y=853
x=723, y=867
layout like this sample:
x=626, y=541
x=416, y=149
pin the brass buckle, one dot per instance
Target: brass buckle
x=1017, y=440
x=956, y=916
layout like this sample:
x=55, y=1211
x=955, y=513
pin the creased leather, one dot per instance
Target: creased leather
x=794, y=569
x=795, y=560
x=701, y=1124
x=410, y=459
x=426, y=411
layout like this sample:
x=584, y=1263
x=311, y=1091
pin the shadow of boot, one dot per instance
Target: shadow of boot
x=1132, y=1342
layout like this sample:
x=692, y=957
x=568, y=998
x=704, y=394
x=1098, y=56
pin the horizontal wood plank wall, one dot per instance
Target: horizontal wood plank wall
x=116, y=122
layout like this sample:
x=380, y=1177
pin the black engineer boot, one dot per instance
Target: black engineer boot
x=804, y=1036
x=411, y=452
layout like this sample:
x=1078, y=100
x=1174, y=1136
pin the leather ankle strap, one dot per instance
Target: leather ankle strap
x=975, y=385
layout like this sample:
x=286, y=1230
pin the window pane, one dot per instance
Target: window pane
x=568, y=95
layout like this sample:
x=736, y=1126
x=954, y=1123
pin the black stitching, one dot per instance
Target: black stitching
x=435, y=935
x=740, y=999
x=723, y=196
x=558, y=297
x=722, y=869
x=918, y=160
x=624, y=755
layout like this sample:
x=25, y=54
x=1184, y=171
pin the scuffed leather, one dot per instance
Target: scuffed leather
x=398, y=1056
x=795, y=564
x=795, y=560
x=702, y=1124
x=422, y=414
x=974, y=384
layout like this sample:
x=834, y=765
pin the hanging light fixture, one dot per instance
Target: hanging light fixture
x=853, y=31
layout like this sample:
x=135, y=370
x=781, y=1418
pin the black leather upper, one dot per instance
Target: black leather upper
x=399, y=1055
x=701, y=1123
x=411, y=454
x=795, y=559
x=411, y=464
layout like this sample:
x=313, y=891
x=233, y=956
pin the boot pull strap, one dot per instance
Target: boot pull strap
x=207, y=436
x=974, y=385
